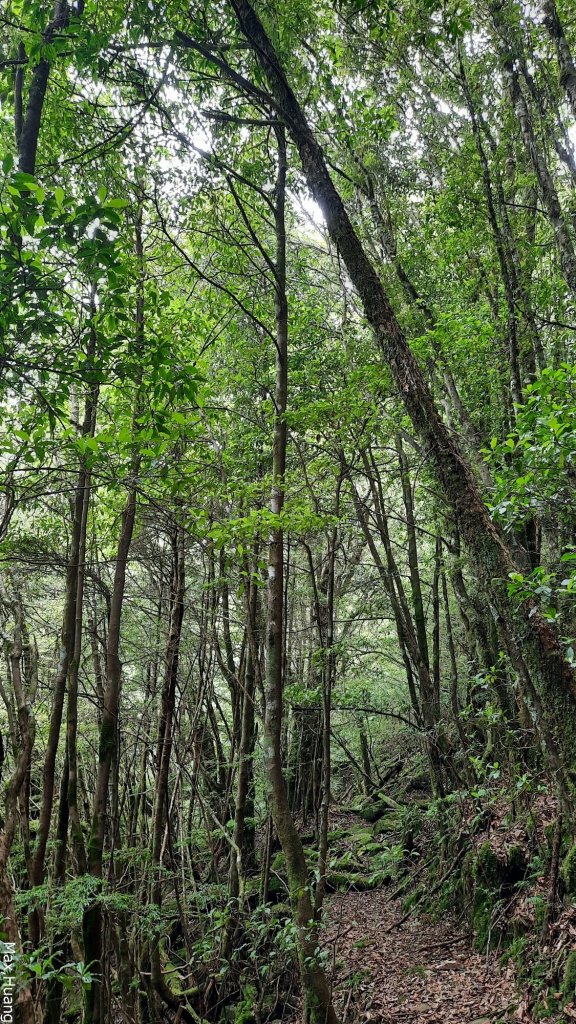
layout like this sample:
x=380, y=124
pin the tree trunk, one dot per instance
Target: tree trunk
x=317, y=1001
x=81, y=510
x=164, y=752
x=28, y=130
x=243, y=835
x=23, y=1002
x=454, y=699
x=95, y=1012
x=67, y=647
x=412, y=547
x=542, y=649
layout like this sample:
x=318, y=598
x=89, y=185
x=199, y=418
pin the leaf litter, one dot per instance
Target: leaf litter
x=422, y=972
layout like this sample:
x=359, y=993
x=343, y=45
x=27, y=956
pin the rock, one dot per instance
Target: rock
x=378, y=807
x=372, y=811
x=360, y=835
x=371, y=847
x=390, y=822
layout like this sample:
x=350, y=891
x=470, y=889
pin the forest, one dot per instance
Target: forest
x=287, y=511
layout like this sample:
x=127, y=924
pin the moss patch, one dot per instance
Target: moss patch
x=569, y=980
x=569, y=870
x=393, y=821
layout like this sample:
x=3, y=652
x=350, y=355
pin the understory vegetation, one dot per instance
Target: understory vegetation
x=287, y=504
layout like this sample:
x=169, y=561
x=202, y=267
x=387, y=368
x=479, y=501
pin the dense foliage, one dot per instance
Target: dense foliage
x=288, y=451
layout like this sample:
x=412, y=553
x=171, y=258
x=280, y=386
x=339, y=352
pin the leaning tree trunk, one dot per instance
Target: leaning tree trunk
x=525, y=625
x=28, y=123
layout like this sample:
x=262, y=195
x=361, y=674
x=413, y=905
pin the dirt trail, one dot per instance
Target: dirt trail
x=423, y=972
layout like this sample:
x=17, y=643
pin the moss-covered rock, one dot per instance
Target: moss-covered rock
x=491, y=881
x=280, y=911
x=392, y=821
x=389, y=802
x=277, y=886
x=345, y=864
x=378, y=806
x=372, y=811
x=486, y=868
x=357, y=880
x=371, y=848
x=418, y=783
x=359, y=835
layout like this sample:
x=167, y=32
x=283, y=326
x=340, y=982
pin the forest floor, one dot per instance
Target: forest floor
x=416, y=972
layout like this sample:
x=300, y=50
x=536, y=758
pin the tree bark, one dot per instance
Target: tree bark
x=81, y=510
x=164, y=752
x=28, y=129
